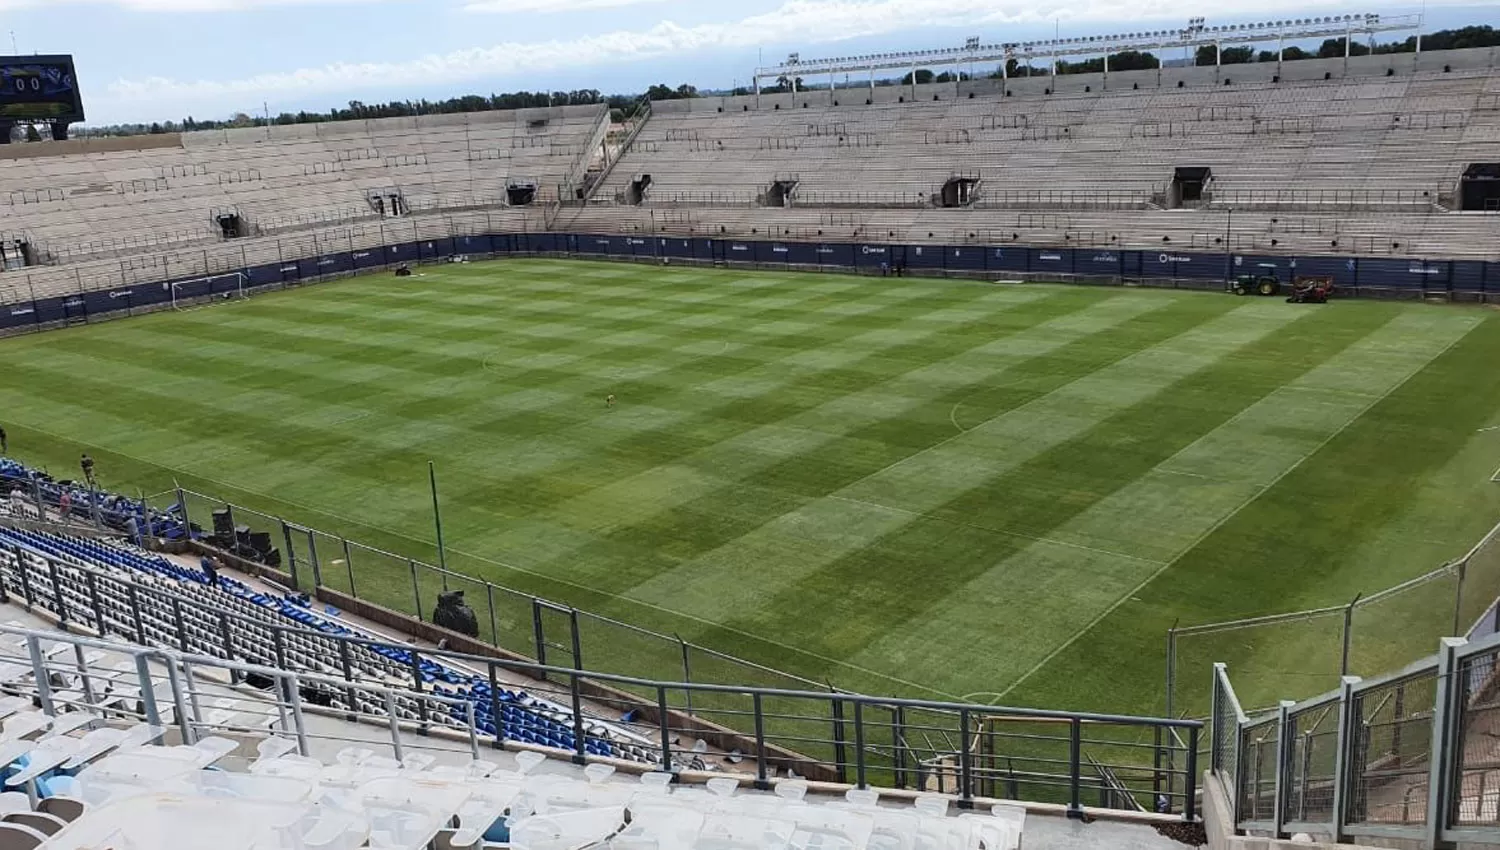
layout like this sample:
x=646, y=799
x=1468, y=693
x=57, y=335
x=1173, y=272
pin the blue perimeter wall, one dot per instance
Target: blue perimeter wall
x=1457, y=279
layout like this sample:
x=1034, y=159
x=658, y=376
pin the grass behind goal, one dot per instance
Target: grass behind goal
x=922, y=487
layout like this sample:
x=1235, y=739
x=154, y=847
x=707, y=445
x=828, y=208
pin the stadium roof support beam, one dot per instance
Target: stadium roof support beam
x=1196, y=34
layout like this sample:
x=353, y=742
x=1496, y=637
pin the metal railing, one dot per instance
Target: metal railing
x=1304, y=652
x=1406, y=756
x=165, y=688
x=968, y=750
x=514, y=620
x=1323, y=200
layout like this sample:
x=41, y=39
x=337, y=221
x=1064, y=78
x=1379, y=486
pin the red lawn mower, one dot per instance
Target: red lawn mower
x=1311, y=290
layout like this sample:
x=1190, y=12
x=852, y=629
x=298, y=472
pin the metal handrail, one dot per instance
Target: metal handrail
x=767, y=704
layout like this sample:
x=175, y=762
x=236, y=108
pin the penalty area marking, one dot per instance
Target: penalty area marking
x=953, y=417
x=953, y=414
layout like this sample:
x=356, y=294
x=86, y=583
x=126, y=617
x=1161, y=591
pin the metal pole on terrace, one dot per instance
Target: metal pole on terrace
x=1228, y=244
x=437, y=519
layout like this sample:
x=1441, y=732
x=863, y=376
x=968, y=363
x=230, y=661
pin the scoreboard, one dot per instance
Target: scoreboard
x=38, y=89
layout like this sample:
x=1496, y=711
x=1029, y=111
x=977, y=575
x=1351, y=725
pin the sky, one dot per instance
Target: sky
x=152, y=60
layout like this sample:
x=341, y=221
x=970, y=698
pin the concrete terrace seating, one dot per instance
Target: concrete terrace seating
x=155, y=205
x=363, y=800
x=115, y=589
x=1365, y=165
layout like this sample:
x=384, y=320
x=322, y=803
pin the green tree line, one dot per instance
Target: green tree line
x=622, y=104
x=1333, y=48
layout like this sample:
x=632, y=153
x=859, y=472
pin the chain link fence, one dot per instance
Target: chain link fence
x=1304, y=653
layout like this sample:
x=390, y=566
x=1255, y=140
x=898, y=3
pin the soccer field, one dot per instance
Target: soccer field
x=916, y=487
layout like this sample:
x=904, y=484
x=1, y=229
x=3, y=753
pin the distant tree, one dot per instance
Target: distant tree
x=1483, y=36
x=1014, y=68
x=1333, y=48
x=1086, y=66
x=1288, y=54
x=1209, y=55
x=1464, y=37
x=924, y=77
x=1129, y=60
x=156, y=129
x=661, y=91
x=950, y=77
x=1134, y=60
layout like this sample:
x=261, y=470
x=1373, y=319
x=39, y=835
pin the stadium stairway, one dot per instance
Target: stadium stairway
x=73, y=780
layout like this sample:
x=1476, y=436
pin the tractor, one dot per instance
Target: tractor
x=1253, y=284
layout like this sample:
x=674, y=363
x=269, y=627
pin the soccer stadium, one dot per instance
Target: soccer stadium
x=930, y=449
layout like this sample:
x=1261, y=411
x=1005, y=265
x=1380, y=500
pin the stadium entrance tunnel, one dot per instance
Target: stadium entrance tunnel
x=1479, y=188
x=960, y=190
x=230, y=225
x=16, y=252
x=1190, y=186
x=388, y=203
x=520, y=193
x=782, y=190
x=636, y=194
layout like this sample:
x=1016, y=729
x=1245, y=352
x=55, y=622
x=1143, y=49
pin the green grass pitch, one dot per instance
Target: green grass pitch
x=917, y=487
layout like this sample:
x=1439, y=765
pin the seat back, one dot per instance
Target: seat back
x=14, y=836
x=40, y=821
x=66, y=808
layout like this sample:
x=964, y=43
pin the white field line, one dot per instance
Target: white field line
x=1227, y=517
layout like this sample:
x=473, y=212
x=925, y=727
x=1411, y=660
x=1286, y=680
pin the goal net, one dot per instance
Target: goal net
x=203, y=290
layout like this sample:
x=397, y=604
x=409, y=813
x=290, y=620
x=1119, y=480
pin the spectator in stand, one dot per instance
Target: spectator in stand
x=210, y=570
x=86, y=463
x=4, y=442
x=65, y=504
x=17, y=503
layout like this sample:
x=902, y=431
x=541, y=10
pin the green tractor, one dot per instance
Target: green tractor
x=1264, y=285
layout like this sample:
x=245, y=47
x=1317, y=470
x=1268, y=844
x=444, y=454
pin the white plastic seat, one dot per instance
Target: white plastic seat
x=40, y=821
x=15, y=836
x=67, y=808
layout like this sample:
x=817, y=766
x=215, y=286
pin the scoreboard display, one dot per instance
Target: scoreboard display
x=39, y=88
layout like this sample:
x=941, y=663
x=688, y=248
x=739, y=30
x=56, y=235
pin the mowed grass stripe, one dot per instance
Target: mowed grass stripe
x=1297, y=546
x=1031, y=505
x=1155, y=513
x=317, y=381
x=797, y=545
x=705, y=499
x=315, y=376
x=705, y=358
x=780, y=412
x=799, y=388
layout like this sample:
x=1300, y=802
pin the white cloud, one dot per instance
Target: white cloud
x=549, y=6
x=804, y=23
x=174, y=5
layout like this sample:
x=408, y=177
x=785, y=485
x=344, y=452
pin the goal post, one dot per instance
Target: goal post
x=226, y=285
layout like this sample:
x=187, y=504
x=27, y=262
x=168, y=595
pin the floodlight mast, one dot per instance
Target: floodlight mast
x=1196, y=34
